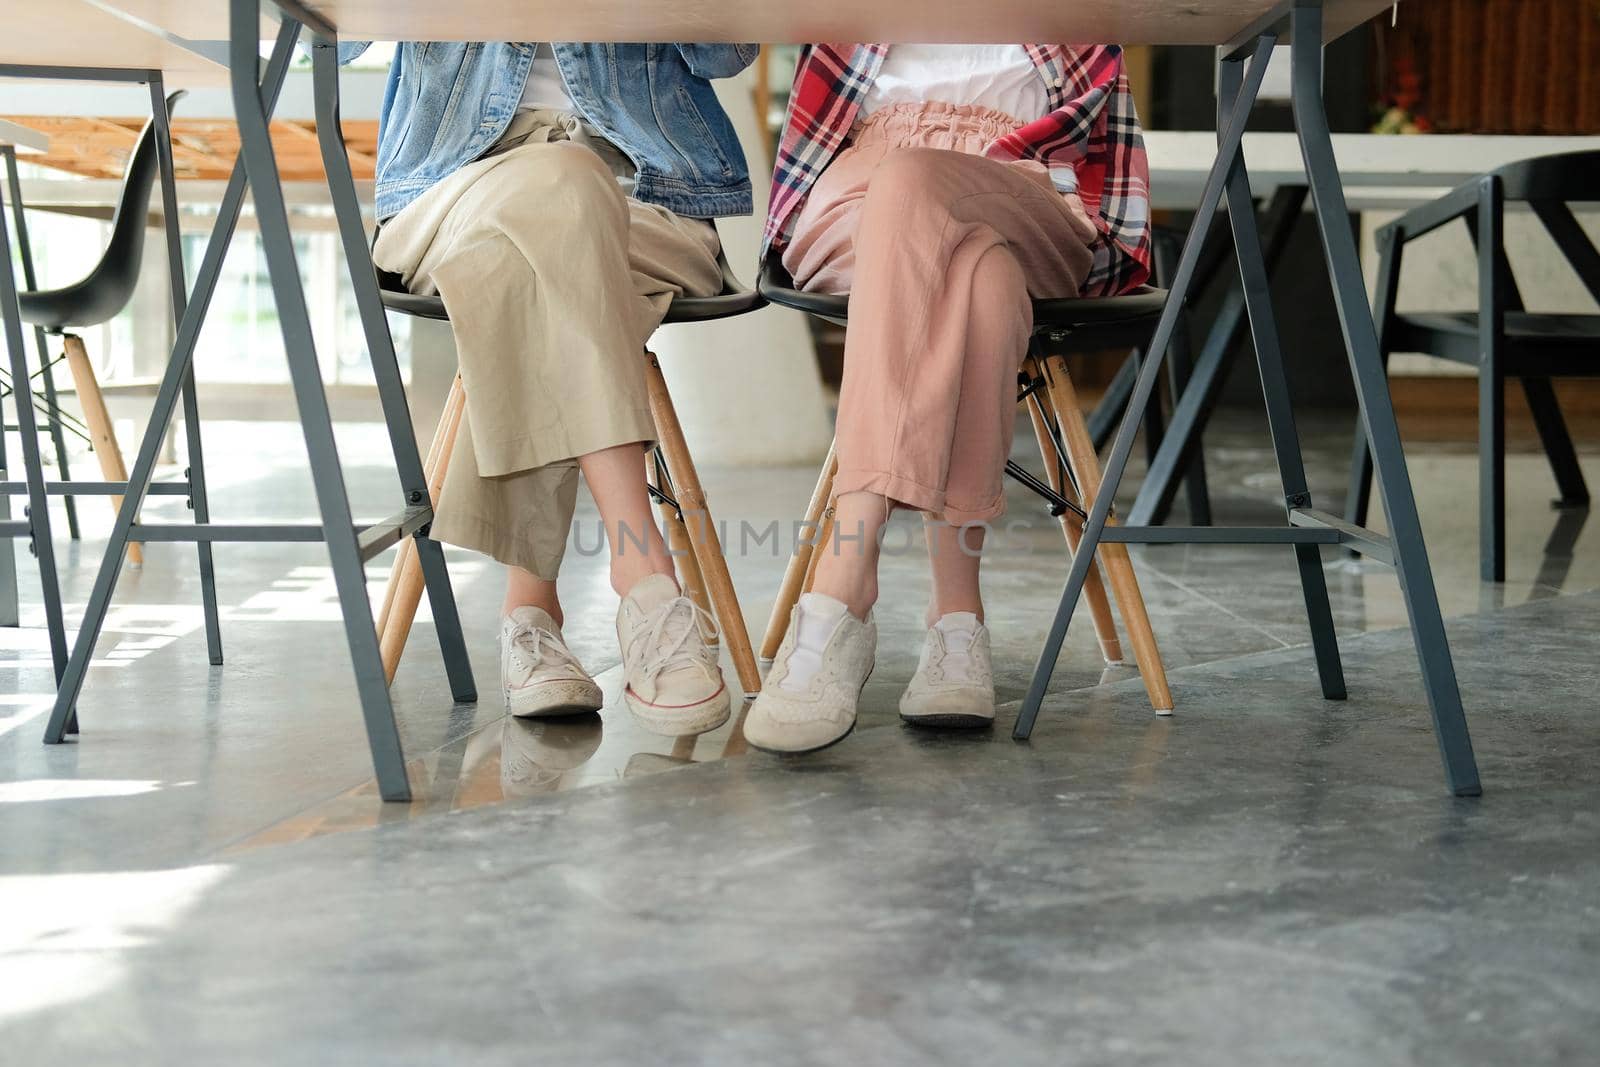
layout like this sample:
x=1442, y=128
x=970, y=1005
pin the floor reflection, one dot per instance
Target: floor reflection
x=270, y=748
x=510, y=759
x=1556, y=563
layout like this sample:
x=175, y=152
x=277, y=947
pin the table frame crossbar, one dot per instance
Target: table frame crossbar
x=1307, y=528
x=255, y=95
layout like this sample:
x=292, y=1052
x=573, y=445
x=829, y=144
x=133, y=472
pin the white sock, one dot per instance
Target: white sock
x=819, y=615
x=958, y=631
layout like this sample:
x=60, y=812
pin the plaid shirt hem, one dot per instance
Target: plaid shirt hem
x=1090, y=142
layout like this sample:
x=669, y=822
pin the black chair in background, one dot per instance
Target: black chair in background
x=1503, y=339
x=1072, y=470
x=98, y=297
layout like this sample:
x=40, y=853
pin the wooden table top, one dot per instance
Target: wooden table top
x=1131, y=22
x=75, y=33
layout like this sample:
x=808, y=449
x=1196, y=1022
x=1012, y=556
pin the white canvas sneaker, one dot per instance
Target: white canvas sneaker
x=538, y=673
x=954, y=683
x=809, y=698
x=675, y=687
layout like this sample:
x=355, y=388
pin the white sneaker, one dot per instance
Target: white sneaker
x=809, y=698
x=674, y=685
x=538, y=673
x=954, y=683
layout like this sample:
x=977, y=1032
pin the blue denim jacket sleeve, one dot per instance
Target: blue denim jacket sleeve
x=445, y=103
x=718, y=60
x=349, y=50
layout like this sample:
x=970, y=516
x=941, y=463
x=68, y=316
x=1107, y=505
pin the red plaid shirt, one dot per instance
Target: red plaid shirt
x=1090, y=141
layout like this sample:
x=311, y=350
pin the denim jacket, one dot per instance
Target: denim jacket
x=446, y=103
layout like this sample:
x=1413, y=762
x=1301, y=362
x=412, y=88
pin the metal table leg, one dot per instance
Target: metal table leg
x=294, y=321
x=196, y=472
x=1106, y=416
x=348, y=546
x=37, y=512
x=189, y=325
x=1192, y=410
x=56, y=419
x=1231, y=138
x=46, y=368
x=1307, y=526
x=1180, y=368
x=385, y=366
x=1257, y=288
x=1391, y=251
x=10, y=609
x=1377, y=409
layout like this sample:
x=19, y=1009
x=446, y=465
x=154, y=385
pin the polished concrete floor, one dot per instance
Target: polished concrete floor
x=1263, y=878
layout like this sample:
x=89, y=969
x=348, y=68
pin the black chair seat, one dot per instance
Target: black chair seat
x=90, y=302
x=1112, y=313
x=106, y=289
x=1535, y=342
x=733, y=300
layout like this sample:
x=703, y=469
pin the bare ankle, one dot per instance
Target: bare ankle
x=859, y=598
x=627, y=572
x=527, y=590
x=549, y=607
x=852, y=582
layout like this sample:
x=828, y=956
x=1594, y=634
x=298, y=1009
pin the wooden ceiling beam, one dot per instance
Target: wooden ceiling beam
x=204, y=148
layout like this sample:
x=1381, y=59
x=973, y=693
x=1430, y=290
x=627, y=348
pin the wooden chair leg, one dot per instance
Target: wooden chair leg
x=453, y=406
x=677, y=537
x=796, y=577
x=403, y=594
x=1094, y=590
x=101, y=432
x=825, y=530
x=702, y=530
x=1114, y=556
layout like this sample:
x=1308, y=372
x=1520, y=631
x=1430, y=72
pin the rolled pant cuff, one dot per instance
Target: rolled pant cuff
x=903, y=492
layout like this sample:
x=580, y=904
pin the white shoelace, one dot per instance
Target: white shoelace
x=666, y=646
x=528, y=644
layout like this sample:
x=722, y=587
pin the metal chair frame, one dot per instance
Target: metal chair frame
x=1502, y=338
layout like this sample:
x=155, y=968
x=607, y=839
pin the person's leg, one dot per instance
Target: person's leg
x=955, y=554
x=947, y=249
x=668, y=255
x=615, y=477
x=524, y=589
x=565, y=280
x=847, y=569
x=953, y=686
x=927, y=408
x=943, y=249
x=529, y=250
x=535, y=257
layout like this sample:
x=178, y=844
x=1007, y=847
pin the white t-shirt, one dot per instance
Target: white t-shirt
x=1002, y=77
x=544, y=87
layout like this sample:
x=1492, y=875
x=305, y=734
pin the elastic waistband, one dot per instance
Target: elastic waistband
x=955, y=127
x=549, y=125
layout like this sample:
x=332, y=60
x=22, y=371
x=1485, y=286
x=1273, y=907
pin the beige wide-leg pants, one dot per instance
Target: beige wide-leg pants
x=554, y=279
